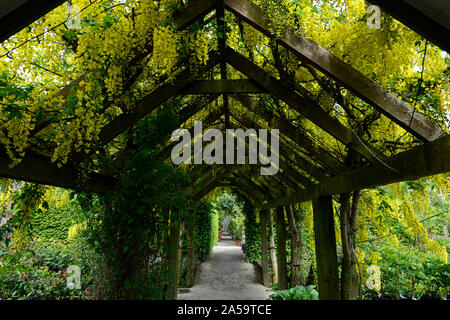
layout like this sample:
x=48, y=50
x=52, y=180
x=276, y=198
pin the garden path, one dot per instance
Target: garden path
x=226, y=276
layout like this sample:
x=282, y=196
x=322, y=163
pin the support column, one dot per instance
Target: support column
x=281, y=249
x=172, y=269
x=325, y=240
x=273, y=256
x=191, y=251
x=265, y=262
x=295, y=225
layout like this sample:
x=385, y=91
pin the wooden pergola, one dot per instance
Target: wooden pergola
x=327, y=176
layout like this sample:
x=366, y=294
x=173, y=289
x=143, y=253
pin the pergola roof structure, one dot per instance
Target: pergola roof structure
x=307, y=171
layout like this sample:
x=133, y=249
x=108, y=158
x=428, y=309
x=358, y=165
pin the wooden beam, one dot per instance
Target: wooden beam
x=223, y=87
x=303, y=104
x=286, y=128
x=182, y=20
x=425, y=160
x=209, y=119
x=195, y=10
x=16, y=15
x=307, y=50
x=325, y=242
x=281, y=249
x=172, y=253
x=288, y=151
x=292, y=174
x=264, y=247
x=222, y=43
x=151, y=102
x=39, y=169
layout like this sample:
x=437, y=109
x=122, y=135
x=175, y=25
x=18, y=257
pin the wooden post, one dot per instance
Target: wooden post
x=281, y=249
x=191, y=252
x=180, y=253
x=265, y=262
x=172, y=269
x=325, y=240
x=273, y=256
x=295, y=225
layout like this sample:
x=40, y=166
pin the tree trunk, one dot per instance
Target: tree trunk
x=348, y=220
x=191, y=252
x=281, y=249
x=273, y=256
x=325, y=241
x=174, y=239
x=264, y=254
x=296, y=246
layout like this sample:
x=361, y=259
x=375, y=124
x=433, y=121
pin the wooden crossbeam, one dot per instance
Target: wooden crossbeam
x=195, y=10
x=296, y=176
x=182, y=19
x=184, y=115
x=302, y=104
x=210, y=118
x=16, y=15
x=417, y=20
x=247, y=192
x=286, y=128
x=428, y=159
x=287, y=174
x=307, y=50
x=39, y=169
x=151, y=102
x=223, y=87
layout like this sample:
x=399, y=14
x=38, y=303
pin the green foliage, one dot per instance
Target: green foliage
x=228, y=204
x=39, y=271
x=252, y=232
x=236, y=226
x=126, y=226
x=410, y=273
x=297, y=293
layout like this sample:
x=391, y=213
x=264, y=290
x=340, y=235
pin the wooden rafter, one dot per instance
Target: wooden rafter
x=307, y=50
x=151, y=102
x=39, y=169
x=223, y=87
x=418, y=21
x=22, y=13
x=413, y=164
x=302, y=104
x=284, y=166
x=286, y=128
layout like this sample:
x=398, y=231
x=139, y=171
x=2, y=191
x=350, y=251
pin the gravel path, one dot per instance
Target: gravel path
x=226, y=276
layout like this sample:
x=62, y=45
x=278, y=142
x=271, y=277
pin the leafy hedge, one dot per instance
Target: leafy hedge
x=252, y=232
x=206, y=230
x=54, y=223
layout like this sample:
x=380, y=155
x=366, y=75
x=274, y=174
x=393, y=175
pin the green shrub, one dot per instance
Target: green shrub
x=206, y=230
x=411, y=273
x=236, y=226
x=39, y=271
x=297, y=293
x=54, y=223
x=252, y=233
